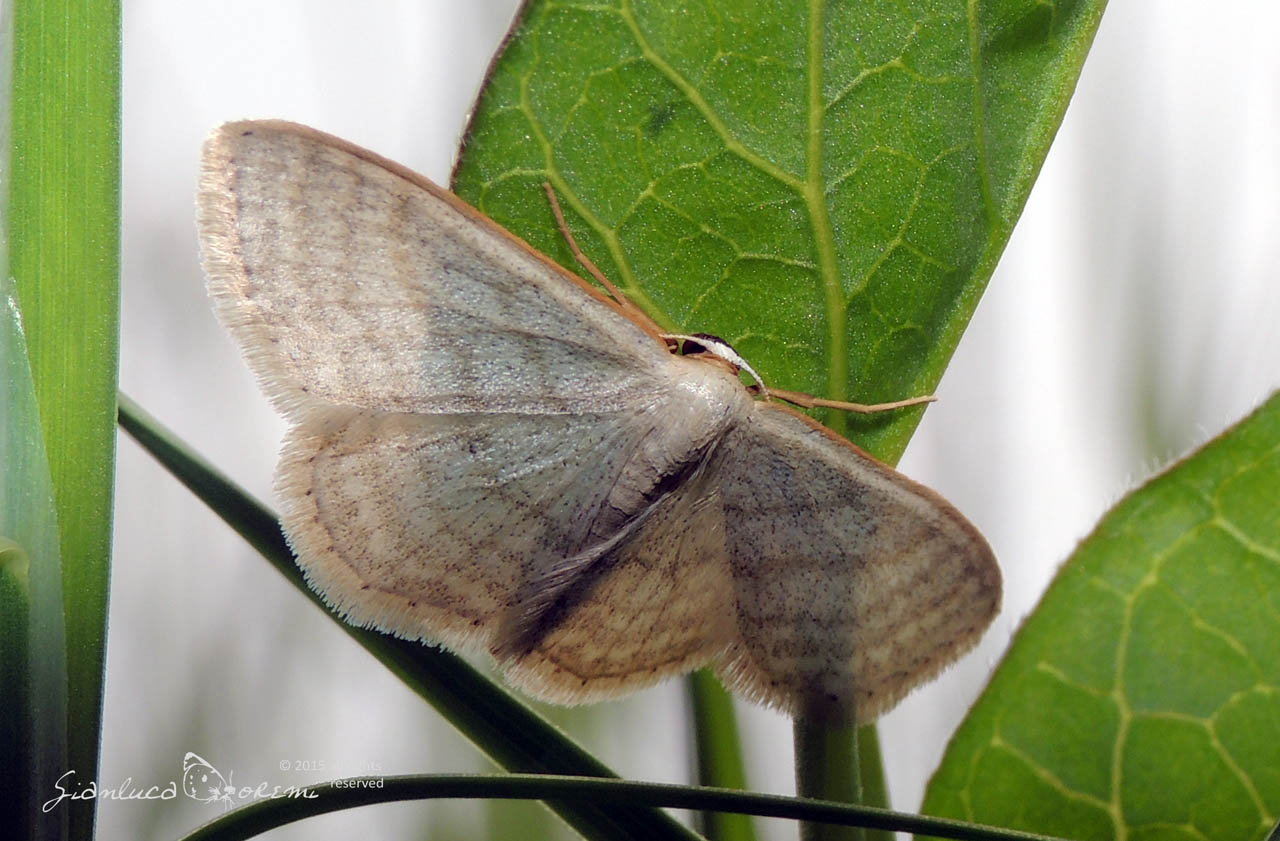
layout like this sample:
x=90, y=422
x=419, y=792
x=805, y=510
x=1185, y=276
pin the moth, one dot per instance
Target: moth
x=488, y=452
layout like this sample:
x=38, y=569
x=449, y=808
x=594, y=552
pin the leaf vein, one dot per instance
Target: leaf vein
x=700, y=104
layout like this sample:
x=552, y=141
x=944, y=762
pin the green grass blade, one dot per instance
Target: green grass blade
x=33, y=660
x=513, y=735
x=1141, y=699
x=268, y=814
x=62, y=225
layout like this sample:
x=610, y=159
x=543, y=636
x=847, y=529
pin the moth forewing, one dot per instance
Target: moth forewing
x=330, y=264
x=489, y=453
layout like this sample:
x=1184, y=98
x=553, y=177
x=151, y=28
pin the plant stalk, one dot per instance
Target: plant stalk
x=827, y=768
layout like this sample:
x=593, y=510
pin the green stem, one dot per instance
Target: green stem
x=263, y=815
x=827, y=768
x=719, y=754
x=875, y=790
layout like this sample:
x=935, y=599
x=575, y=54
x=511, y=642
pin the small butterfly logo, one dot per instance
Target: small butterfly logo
x=201, y=781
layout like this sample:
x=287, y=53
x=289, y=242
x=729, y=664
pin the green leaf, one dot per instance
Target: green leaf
x=825, y=185
x=719, y=753
x=62, y=227
x=1141, y=700
x=33, y=657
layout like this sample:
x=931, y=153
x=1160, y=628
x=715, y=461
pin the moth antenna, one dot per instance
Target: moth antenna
x=614, y=292
x=808, y=401
x=722, y=350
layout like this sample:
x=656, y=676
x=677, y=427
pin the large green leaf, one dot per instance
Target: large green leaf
x=1141, y=700
x=826, y=185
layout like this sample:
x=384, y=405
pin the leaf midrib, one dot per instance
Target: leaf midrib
x=823, y=234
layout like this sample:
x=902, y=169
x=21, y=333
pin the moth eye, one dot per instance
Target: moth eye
x=693, y=346
x=690, y=347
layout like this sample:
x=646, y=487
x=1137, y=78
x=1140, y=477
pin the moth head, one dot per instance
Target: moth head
x=715, y=350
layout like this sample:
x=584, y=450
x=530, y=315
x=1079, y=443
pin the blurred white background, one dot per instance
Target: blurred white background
x=1135, y=314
